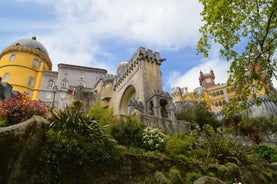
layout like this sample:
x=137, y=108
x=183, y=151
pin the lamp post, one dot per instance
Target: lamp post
x=55, y=90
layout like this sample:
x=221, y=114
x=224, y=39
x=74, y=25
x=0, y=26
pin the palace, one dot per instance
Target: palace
x=217, y=95
x=136, y=89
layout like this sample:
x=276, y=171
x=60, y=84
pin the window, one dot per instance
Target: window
x=6, y=77
x=82, y=83
x=50, y=84
x=31, y=81
x=12, y=57
x=35, y=62
x=28, y=92
x=82, y=76
x=64, y=84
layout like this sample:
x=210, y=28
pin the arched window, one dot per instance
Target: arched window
x=31, y=81
x=6, y=77
x=12, y=57
x=28, y=92
x=82, y=83
x=64, y=84
x=50, y=84
x=35, y=62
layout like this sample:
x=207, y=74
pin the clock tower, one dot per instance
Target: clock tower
x=206, y=80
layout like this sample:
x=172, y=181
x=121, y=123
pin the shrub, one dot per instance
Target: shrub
x=266, y=151
x=153, y=139
x=160, y=178
x=128, y=132
x=20, y=108
x=101, y=115
x=3, y=122
x=179, y=144
x=225, y=150
x=175, y=176
x=75, y=141
x=191, y=177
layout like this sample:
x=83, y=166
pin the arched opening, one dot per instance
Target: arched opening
x=164, y=108
x=128, y=95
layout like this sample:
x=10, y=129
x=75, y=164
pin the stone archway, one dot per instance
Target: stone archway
x=128, y=95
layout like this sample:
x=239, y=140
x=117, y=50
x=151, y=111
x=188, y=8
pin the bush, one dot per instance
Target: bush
x=75, y=141
x=225, y=150
x=266, y=151
x=175, y=176
x=179, y=144
x=3, y=122
x=21, y=108
x=191, y=177
x=128, y=132
x=160, y=178
x=153, y=139
x=101, y=115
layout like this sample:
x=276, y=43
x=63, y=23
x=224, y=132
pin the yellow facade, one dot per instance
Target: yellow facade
x=215, y=95
x=22, y=64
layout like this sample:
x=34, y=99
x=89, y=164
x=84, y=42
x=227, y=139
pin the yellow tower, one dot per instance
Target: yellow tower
x=22, y=64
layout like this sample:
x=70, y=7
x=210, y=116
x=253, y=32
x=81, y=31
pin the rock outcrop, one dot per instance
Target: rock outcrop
x=19, y=146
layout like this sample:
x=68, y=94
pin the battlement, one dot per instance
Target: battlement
x=176, y=91
x=141, y=54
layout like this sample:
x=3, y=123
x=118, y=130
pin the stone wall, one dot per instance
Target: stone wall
x=165, y=125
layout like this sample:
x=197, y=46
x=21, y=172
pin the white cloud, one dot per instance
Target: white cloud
x=191, y=78
x=79, y=26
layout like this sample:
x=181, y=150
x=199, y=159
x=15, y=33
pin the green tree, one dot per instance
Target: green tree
x=247, y=34
x=202, y=116
x=101, y=115
x=199, y=116
x=128, y=131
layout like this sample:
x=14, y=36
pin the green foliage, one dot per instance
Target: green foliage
x=101, y=115
x=191, y=177
x=128, y=131
x=160, y=178
x=266, y=151
x=179, y=144
x=225, y=150
x=258, y=128
x=202, y=116
x=199, y=116
x=74, y=141
x=175, y=176
x=20, y=108
x=3, y=122
x=153, y=139
x=246, y=32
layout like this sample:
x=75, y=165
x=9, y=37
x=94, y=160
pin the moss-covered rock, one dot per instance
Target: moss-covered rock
x=19, y=146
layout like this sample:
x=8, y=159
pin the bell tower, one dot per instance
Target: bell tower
x=206, y=80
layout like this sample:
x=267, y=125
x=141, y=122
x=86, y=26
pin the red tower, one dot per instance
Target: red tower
x=207, y=80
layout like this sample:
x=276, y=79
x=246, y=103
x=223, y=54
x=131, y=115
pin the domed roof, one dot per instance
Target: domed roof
x=33, y=43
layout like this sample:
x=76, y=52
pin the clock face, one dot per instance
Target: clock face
x=208, y=80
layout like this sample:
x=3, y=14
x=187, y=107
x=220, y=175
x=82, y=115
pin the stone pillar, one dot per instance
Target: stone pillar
x=157, y=108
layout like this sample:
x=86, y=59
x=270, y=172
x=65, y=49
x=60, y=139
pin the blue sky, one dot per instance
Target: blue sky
x=103, y=33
